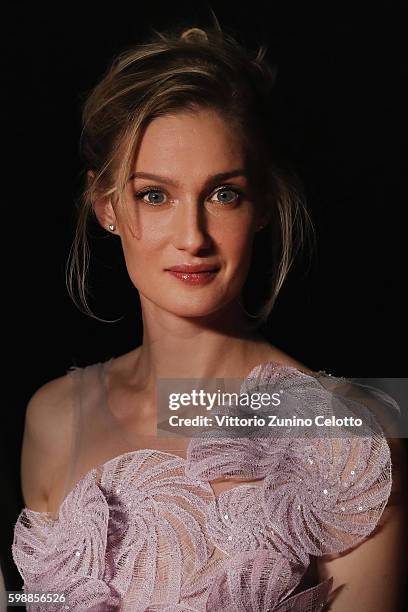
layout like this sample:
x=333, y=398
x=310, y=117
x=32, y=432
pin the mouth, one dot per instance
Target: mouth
x=193, y=268
x=194, y=275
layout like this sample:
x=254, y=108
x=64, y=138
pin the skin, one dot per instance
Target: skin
x=194, y=331
x=187, y=328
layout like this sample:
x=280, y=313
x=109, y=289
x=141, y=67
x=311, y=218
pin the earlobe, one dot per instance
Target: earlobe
x=104, y=213
x=264, y=221
x=102, y=207
x=264, y=215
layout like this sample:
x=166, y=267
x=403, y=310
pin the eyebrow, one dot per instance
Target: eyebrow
x=210, y=179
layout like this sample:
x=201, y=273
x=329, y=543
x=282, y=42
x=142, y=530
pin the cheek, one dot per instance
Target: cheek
x=235, y=246
x=140, y=256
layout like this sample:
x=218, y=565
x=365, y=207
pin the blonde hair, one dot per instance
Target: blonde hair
x=185, y=70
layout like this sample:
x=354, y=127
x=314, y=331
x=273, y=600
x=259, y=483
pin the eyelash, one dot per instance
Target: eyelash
x=140, y=194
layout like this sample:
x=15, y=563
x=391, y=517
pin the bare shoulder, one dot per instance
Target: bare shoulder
x=123, y=368
x=46, y=440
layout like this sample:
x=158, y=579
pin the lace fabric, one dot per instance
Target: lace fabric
x=142, y=529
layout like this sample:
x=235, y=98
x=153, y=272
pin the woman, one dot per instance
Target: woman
x=118, y=518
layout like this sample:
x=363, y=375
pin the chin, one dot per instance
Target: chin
x=189, y=311
x=203, y=308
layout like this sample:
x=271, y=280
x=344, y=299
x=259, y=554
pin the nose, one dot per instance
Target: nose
x=189, y=228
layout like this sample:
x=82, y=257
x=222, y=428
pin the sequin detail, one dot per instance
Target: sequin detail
x=145, y=531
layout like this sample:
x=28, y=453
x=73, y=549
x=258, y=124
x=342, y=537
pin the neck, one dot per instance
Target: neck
x=217, y=345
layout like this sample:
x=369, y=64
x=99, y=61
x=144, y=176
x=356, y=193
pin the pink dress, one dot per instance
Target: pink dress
x=143, y=531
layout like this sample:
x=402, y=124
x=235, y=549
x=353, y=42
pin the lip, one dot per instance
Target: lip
x=193, y=268
x=194, y=278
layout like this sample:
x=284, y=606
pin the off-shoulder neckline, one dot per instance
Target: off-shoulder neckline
x=101, y=467
x=103, y=366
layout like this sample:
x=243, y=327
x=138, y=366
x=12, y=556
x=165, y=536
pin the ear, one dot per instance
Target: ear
x=102, y=207
x=264, y=217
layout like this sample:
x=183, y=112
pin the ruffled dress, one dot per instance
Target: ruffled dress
x=142, y=530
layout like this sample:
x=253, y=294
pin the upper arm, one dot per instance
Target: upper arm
x=370, y=577
x=46, y=441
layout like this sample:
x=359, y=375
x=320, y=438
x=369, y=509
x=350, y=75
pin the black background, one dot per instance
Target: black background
x=341, y=90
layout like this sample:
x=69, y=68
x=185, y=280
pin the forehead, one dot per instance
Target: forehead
x=188, y=141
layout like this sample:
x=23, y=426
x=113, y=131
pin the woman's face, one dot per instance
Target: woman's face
x=186, y=214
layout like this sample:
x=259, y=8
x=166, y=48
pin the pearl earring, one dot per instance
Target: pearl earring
x=112, y=227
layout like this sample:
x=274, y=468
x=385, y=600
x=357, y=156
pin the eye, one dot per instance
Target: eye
x=222, y=190
x=155, y=191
